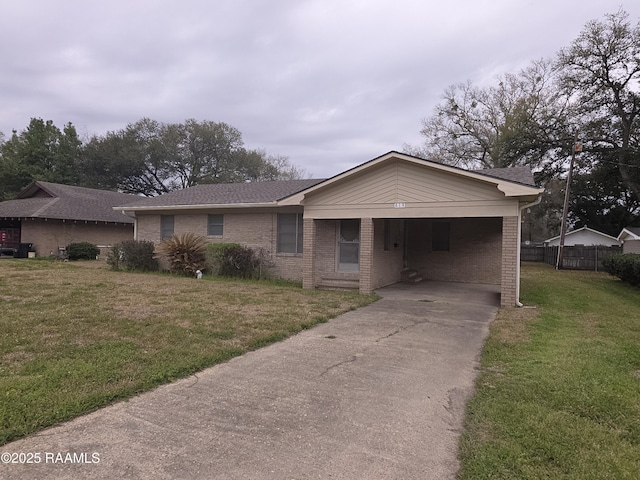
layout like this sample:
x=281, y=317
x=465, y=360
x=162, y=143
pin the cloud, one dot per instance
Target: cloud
x=328, y=83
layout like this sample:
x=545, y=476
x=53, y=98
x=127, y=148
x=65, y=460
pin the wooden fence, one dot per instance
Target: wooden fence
x=573, y=257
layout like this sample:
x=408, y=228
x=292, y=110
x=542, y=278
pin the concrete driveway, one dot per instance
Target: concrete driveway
x=377, y=393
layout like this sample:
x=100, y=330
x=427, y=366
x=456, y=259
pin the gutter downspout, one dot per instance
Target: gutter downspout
x=527, y=205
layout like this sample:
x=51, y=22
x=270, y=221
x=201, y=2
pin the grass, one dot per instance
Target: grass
x=76, y=336
x=559, y=391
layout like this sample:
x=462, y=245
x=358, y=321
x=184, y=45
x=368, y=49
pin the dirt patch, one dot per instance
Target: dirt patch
x=511, y=324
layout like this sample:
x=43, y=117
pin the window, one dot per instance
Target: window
x=215, y=224
x=440, y=236
x=289, y=233
x=166, y=226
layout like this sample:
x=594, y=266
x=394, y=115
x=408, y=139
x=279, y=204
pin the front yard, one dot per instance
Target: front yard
x=77, y=336
x=559, y=392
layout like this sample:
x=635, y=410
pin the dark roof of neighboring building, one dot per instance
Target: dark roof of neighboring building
x=67, y=202
x=634, y=230
x=229, y=193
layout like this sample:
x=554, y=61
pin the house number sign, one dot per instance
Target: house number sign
x=399, y=205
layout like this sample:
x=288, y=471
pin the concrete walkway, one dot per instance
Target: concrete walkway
x=377, y=393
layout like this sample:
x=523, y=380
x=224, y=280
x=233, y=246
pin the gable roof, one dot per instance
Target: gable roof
x=516, y=181
x=583, y=229
x=501, y=178
x=67, y=202
x=228, y=194
x=629, y=233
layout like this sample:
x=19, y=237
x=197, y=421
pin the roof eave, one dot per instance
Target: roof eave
x=627, y=234
x=202, y=206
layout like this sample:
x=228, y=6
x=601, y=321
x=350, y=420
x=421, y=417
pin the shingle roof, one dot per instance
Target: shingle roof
x=66, y=202
x=513, y=174
x=634, y=230
x=272, y=191
x=228, y=193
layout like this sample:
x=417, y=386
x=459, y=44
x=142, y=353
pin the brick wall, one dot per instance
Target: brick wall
x=48, y=236
x=387, y=264
x=366, y=255
x=508, y=291
x=254, y=229
x=326, y=259
x=309, y=255
x=475, y=251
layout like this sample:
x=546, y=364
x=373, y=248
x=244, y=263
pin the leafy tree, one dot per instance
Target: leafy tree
x=600, y=199
x=152, y=158
x=600, y=72
x=40, y=152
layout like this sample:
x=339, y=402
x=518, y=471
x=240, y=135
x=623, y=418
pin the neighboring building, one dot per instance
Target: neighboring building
x=584, y=236
x=630, y=238
x=363, y=227
x=50, y=216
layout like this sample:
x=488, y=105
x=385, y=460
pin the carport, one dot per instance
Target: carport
x=366, y=226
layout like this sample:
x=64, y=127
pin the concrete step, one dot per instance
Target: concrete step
x=339, y=284
x=410, y=276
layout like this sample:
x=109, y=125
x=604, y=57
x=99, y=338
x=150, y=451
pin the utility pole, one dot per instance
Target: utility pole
x=577, y=148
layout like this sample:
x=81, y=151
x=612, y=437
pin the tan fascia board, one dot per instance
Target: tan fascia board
x=511, y=189
x=202, y=206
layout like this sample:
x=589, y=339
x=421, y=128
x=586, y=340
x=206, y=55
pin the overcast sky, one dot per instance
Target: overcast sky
x=328, y=83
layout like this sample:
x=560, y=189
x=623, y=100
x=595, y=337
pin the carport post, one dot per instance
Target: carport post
x=308, y=253
x=366, y=255
x=509, y=280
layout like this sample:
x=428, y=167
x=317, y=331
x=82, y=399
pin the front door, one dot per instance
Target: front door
x=349, y=245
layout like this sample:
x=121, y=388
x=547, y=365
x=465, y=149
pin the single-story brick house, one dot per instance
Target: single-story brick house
x=364, y=227
x=50, y=216
x=630, y=238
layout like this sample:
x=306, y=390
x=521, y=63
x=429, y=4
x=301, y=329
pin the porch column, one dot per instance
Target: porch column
x=308, y=253
x=508, y=284
x=366, y=255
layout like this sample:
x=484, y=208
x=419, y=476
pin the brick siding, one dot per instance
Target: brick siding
x=509, y=261
x=387, y=264
x=254, y=229
x=474, y=254
x=48, y=236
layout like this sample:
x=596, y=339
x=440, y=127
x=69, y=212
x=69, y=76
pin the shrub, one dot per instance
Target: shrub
x=624, y=266
x=215, y=256
x=185, y=253
x=133, y=255
x=235, y=260
x=82, y=251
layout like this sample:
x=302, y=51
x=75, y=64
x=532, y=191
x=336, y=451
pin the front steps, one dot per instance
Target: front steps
x=339, y=283
x=409, y=275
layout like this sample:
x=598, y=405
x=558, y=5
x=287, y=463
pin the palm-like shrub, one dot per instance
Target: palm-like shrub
x=184, y=253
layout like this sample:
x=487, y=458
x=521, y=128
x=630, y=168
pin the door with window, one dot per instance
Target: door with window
x=349, y=245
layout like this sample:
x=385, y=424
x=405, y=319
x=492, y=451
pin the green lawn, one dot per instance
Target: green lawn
x=77, y=336
x=559, y=392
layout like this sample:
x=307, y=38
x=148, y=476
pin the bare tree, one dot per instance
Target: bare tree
x=520, y=121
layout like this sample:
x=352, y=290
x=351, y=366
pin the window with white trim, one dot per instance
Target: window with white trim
x=215, y=225
x=166, y=226
x=289, y=233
